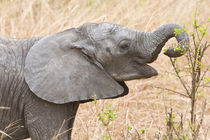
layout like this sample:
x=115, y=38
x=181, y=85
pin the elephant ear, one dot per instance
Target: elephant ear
x=58, y=71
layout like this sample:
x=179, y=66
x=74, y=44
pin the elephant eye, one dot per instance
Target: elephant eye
x=124, y=45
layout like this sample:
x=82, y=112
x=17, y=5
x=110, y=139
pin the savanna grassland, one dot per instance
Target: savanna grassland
x=141, y=114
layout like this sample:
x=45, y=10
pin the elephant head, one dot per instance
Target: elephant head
x=77, y=63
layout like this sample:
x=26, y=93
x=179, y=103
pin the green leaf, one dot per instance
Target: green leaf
x=185, y=28
x=159, y=92
x=106, y=136
x=165, y=50
x=177, y=49
x=143, y=131
x=107, y=116
x=203, y=30
x=94, y=99
x=129, y=127
x=174, y=115
x=94, y=96
x=90, y=3
x=185, y=137
x=166, y=119
x=177, y=31
x=200, y=94
x=207, y=79
x=196, y=25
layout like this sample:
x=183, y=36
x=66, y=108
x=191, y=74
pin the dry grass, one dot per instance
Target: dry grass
x=145, y=106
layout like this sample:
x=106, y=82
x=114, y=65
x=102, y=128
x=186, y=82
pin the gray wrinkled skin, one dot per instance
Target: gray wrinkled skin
x=43, y=80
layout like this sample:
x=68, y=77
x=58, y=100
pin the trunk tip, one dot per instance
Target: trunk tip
x=174, y=52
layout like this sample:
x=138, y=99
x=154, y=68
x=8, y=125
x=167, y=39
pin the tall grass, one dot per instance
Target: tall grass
x=144, y=107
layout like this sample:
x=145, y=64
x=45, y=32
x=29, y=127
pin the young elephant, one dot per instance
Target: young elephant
x=43, y=80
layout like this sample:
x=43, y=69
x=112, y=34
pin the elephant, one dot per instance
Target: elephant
x=44, y=79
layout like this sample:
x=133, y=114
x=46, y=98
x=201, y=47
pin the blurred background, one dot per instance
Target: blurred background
x=141, y=114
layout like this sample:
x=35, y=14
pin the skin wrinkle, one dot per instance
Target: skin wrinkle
x=141, y=45
x=159, y=45
x=136, y=38
x=20, y=81
x=89, y=52
x=12, y=82
x=88, y=33
x=5, y=90
x=1, y=86
x=12, y=87
x=34, y=122
x=91, y=56
x=139, y=55
x=145, y=45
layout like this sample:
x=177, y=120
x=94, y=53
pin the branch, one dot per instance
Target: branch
x=204, y=73
x=205, y=85
x=206, y=45
x=182, y=82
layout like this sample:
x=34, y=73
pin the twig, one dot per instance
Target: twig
x=139, y=136
x=171, y=91
x=189, y=55
x=201, y=120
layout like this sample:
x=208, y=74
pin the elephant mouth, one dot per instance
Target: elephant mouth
x=144, y=70
x=149, y=71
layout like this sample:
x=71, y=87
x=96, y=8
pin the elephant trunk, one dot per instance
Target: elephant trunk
x=163, y=34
